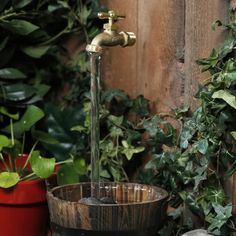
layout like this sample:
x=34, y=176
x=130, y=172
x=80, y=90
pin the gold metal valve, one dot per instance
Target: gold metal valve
x=112, y=18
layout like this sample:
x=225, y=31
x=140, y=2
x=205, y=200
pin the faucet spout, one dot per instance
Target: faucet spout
x=110, y=37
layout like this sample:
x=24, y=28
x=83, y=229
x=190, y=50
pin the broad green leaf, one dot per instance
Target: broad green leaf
x=9, y=179
x=4, y=142
x=20, y=92
x=226, y=96
x=11, y=73
x=41, y=89
x=67, y=175
x=20, y=3
x=22, y=27
x=31, y=116
x=44, y=137
x=35, y=52
x=42, y=167
x=233, y=134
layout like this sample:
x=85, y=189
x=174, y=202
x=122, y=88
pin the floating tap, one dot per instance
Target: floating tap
x=110, y=37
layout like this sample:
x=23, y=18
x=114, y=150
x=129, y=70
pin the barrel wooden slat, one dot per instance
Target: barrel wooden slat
x=139, y=207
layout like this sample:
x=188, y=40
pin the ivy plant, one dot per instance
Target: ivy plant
x=196, y=165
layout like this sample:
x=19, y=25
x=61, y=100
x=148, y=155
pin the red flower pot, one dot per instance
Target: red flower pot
x=23, y=209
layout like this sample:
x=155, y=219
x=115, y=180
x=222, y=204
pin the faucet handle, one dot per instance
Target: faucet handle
x=112, y=17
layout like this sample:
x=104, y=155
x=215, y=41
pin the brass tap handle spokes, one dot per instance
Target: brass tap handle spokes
x=112, y=17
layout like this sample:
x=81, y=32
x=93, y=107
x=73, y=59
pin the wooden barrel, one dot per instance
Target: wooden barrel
x=140, y=210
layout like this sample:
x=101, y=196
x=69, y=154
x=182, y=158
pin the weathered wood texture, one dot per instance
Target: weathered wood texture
x=171, y=35
x=139, y=208
x=200, y=39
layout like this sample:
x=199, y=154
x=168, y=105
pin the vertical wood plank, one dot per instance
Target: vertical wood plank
x=200, y=39
x=160, y=52
x=119, y=64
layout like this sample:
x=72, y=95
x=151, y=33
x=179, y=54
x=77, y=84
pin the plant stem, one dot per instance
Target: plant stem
x=31, y=151
x=27, y=177
x=4, y=163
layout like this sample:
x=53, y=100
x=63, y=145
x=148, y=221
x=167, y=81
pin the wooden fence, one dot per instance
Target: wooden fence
x=171, y=35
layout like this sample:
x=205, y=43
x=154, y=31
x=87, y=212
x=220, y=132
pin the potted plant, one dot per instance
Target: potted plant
x=23, y=206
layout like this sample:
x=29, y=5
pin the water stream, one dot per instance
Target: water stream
x=95, y=61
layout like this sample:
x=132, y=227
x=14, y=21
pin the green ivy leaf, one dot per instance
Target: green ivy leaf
x=35, y=51
x=116, y=120
x=11, y=73
x=129, y=150
x=226, y=96
x=152, y=126
x=233, y=134
x=201, y=146
x=9, y=179
x=84, y=14
x=42, y=167
x=115, y=132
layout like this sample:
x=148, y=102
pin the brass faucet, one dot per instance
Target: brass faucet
x=110, y=37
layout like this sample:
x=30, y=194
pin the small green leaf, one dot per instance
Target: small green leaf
x=67, y=175
x=80, y=166
x=152, y=125
x=129, y=151
x=84, y=14
x=20, y=3
x=78, y=128
x=226, y=96
x=201, y=146
x=4, y=142
x=11, y=73
x=4, y=111
x=35, y=51
x=233, y=133
x=116, y=120
x=114, y=132
x=3, y=43
x=8, y=179
x=42, y=167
